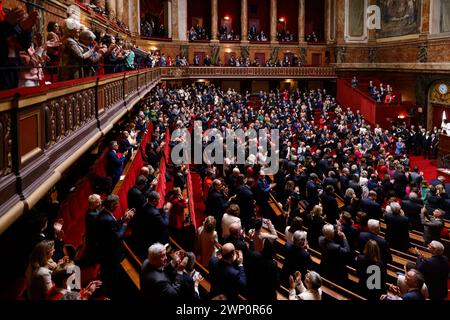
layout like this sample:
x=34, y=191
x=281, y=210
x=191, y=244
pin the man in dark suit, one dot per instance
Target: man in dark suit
x=334, y=254
x=312, y=190
x=412, y=208
x=371, y=206
x=135, y=197
x=216, y=203
x=158, y=278
x=150, y=225
x=114, y=163
x=246, y=201
x=439, y=180
x=414, y=281
x=354, y=184
x=397, y=227
x=400, y=182
x=297, y=257
x=110, y=233
x=230, y=279
x=435, y=271
x=374, y=229
x=329, y=204
x=90, y=227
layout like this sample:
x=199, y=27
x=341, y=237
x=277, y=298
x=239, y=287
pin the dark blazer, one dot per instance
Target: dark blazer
x=135, y=198
x=110, y=233
x=412, y=211
x=413, y=295
x=114, y=164
x=216, y=204
x=334, y=259
x=372, y=208
x=159, y=284
x=435, y=271
x=227, y=279
x=385, y=251
x=263, y=279
x=150, y=225
x=90, y=235
x=330, y=207
x=187, y=288
x=246, y=201
x=362, y=265
x=397, y=231
x=296, y=259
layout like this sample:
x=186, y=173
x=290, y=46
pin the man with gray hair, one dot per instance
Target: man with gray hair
x=412, y=207
x=397, y=227
x=297, y=257
x=110, y=233
x=432, y=226
x=335, y=254
x=374, y=228
x=435, y=270
x=150, y=225
x=158, y=277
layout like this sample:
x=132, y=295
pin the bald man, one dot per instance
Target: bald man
x=227, y=274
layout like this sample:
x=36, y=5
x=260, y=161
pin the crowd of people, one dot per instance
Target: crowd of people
x=254, y=35
x=198, y=33
x=324, y=150
x=224, y=34
x=381, y=93
x=152, y=27
x=285, y=36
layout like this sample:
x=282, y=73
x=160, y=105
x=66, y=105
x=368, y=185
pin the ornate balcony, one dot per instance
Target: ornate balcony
x=248, y=72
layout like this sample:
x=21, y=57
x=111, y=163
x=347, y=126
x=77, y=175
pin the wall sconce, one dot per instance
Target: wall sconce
x=226, y=18
x=281, y=19
x=401, y=116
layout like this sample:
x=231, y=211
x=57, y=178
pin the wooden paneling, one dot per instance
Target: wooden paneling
x=29, y=132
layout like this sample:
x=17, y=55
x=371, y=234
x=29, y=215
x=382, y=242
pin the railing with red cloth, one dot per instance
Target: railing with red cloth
x=161, y=186
x=190, y=194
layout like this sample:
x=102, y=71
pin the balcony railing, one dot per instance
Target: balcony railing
x=248, y=72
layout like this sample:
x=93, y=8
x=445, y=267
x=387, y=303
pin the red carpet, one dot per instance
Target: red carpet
x=428, y=167
x=199, y=204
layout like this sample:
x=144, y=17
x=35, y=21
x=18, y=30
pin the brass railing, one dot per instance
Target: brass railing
x=249, y=72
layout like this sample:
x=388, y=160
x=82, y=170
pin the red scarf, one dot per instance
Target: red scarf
x=2, y=13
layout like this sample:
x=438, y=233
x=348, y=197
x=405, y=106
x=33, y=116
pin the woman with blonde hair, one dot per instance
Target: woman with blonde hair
x=206, y=240
x=38, y=274
x=316, y=222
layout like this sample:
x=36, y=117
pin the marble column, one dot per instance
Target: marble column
x=119, y=10
x=214, y=19
x=174, y=18
x=126, y=13
x=111, y=7
x=273, y=20
x=182, y=20
x=372, y=33
x=244, y=21
x=301, y=21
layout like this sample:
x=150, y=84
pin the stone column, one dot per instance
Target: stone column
x=174, y=18
x=111, y=7
x=372, y=34
x=182, y=20
x=244, y=21
x=126, y=13
x=301, y=21
x=214, y=19
x=119, y=10
x=273, y=20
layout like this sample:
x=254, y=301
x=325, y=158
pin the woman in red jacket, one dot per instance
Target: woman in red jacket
x=176, y=211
